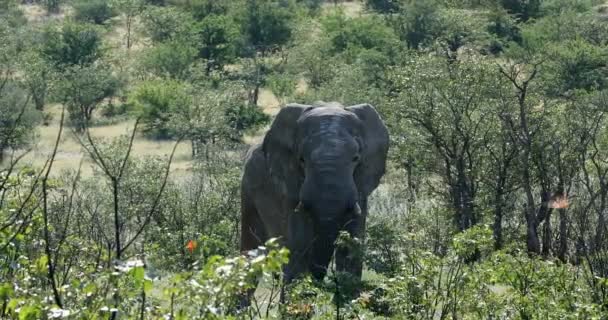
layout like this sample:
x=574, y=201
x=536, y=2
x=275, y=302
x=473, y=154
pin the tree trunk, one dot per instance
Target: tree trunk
x=498, y=214
x=600, y=231
x=546, y=247
x=563, y=235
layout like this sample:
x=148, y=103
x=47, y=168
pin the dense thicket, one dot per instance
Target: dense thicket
x=493, y=206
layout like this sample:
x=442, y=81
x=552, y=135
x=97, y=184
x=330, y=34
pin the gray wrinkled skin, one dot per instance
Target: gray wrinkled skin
x=310, y=179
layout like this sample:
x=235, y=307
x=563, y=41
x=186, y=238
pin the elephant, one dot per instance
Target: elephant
x=309, y=179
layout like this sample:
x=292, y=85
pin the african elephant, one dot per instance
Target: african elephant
x=310, y=179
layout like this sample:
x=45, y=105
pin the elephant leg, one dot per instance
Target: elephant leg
x=253, y=235
x=346, y=260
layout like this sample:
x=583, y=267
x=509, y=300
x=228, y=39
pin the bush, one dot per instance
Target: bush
x=524, y=10
x=157, y=101
x=418, y=23
x=353, y=35
x=576, y=65
x=72, y=44
x=383, y=6
x=17, y=117
x=83, y=89
x=95, y=11
x=171, y=59
x=218, y=40
x=168, y=23
x=242, y=117
x=504, y=28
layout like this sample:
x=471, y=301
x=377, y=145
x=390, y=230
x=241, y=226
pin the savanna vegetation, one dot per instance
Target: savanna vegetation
x=123, y=125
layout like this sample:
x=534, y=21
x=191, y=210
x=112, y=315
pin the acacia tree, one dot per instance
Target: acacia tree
x=131, y=9
x=83, y=89
x=448, y=104
x=267, y=27
x=547, y=150
x=218, y=35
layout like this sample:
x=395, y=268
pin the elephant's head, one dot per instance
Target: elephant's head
x=326, y=159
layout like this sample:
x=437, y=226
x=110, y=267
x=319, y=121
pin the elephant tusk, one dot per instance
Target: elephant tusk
x=299, y=208
x=357, y=210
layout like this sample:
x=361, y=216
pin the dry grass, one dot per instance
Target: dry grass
x=70, y=153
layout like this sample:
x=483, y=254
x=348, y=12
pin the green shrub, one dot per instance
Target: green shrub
x=72, y=44
x=576, y=65
x=523, y=9
x=418, y=23
x=352, y=35
x=171, y=59
x=95, y=11
x=168, y=23
x=383, y=6
x=242, y=117
x=158, y=101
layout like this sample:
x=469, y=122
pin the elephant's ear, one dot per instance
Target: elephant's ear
x=279, y=149
x=375, y=142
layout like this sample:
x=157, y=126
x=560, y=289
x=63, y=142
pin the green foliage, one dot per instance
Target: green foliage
x=71, y=44
x=167, y=23
x=218, y=40
x=201, y=9
x=158, y=101
x=313, y=6
x=464, y=129
x=504, y=28
x=242, y=117
x=524, y=10
x=383, y=253
x=52, y=6
x=171, y=59
x=95, y=11
x=282, y=85
x=17, y=117
x=555, y=7
x=266, y=24
x=418, y=23
x=83, y=88
x=576, y=65
x=383, y=6
x=357, y=34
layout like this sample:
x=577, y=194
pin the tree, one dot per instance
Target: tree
x=72, y=44
x=168, y=23
x=218, y=40
x=17, y=117
x=201, y=9
x=418, y=23
x=131, y=9
x=159, y=101
x=169, y=59
x=449, y=105
x=266, y=25
x=83, y=88
x=523, y=9
x=38, y=78
x=52, y=6
x=383, y=6
x=95, y=11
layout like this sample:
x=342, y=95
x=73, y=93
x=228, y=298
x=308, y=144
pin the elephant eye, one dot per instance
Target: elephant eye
x=301, y=160
x=356, y=158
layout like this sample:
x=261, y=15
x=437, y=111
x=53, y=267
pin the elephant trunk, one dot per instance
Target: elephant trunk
x=323, y=249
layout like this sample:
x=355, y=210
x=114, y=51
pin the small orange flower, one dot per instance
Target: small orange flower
x=191, y=246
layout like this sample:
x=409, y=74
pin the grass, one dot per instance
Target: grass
x=70, y=153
